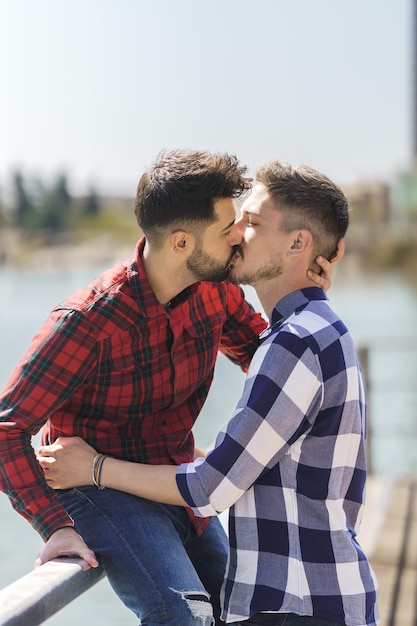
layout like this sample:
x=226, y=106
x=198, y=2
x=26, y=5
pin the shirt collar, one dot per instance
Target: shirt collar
x=142, y=291
x=293, y=303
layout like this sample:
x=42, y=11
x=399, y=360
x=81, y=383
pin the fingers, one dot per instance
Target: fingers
x=51, y=474
x=59, y=444
x=38, y=562
x=89, y=558
x=51, y=450
x=67, y=462
x=323, y=279
x=68, y=441
x=54, y=479
x=67, y=542
x=338, y=256
x=46, y=465
x=46, y=461
x=86, y=562
x=323, y=263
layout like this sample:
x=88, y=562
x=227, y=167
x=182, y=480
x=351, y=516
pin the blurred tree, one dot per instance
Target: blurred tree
x=91, y=204
x=55, y=207
x=22, y=208
x=2, y=214
x=61, y=191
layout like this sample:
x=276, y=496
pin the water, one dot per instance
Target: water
x=380, y=312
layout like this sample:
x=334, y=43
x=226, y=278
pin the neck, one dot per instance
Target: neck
x=166, y=277
x=272, y=291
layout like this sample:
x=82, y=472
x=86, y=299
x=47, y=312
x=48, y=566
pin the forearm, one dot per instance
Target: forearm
x=23, y=481
x=152, y=482
x=71, y=462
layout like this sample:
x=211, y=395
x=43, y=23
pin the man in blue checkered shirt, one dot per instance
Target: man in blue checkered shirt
x=290, y=463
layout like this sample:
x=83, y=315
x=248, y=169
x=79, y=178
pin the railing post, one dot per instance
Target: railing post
x=363, y=355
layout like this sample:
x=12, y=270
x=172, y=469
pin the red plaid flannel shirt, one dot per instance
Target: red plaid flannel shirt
x=125, y=373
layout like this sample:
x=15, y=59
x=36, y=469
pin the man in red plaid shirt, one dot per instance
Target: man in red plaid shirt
x=126, y=363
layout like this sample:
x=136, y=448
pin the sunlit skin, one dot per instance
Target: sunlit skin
x=267, y=251
x=203, y=262
x=185, y=258
x=259, y=256
x=182, y=260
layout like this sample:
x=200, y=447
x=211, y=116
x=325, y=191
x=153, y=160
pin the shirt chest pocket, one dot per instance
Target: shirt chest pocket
x=125, y=363
x=137, y=381
x=121, y=377
x=198, y=347
x=207, y=330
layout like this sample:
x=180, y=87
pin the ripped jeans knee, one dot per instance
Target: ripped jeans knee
x=152, y=551
x=199, y=606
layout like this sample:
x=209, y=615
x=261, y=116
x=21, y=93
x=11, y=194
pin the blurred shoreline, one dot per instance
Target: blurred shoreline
x=64, y=253
x=370, y=250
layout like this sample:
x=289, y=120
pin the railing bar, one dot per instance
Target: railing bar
x=40, y=594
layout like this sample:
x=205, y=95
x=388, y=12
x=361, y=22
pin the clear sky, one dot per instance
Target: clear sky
x=98, y=87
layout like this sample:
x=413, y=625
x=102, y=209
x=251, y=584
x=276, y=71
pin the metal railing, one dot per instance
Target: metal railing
x=40, y=594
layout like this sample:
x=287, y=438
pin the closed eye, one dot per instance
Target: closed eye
x=248, y=219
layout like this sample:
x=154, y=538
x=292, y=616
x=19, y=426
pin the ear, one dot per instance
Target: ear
x=302, y=241
x=181, y=241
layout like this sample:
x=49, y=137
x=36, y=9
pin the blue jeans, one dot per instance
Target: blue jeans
x=152, y=557
x=286, y=619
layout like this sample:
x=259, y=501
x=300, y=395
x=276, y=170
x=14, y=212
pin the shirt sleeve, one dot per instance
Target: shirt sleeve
x=281, y=398
x=242, y=327
x=58, y=361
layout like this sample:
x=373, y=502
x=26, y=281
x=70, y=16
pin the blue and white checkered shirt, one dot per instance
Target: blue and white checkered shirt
x=291, y=465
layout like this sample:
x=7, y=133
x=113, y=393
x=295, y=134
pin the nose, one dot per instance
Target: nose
x=240, y=227
x=235, y=235
x=239, y=223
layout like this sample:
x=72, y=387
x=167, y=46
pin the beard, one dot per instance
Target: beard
x=205, y=267
x=267, y=272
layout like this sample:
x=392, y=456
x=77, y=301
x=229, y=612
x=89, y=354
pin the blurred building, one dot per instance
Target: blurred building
x=391, y=207
x=404, y=197
x=370, y=202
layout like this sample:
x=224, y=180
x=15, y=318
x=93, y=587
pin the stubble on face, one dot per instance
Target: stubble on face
x=205, y=267
x=266, y=272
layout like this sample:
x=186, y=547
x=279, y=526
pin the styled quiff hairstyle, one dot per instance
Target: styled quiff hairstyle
x=307, y=199
x=180, y=188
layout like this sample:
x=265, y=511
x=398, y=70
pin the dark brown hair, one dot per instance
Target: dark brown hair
x=307, y=199
x=181, y=187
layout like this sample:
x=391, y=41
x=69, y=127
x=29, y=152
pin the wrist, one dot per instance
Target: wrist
x=96, y=470
x=71, y=527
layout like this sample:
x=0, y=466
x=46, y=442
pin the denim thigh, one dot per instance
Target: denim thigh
x=152, y=557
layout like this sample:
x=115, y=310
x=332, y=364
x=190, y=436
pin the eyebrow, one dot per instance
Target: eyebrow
x=228, y=226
